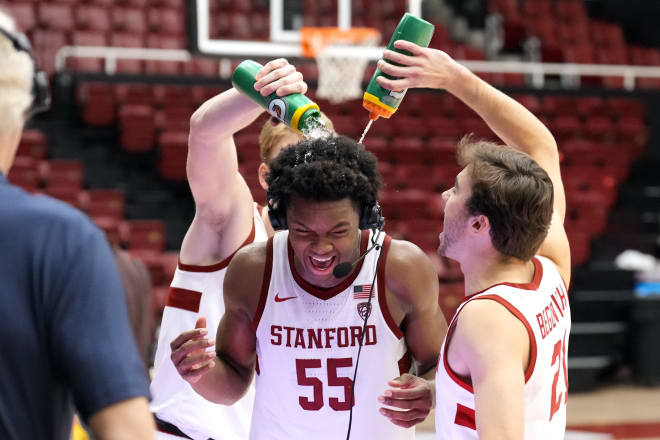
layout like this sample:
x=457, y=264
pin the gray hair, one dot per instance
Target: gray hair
x=16, y=71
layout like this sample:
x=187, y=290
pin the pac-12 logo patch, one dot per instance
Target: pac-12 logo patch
x=364, y=310
x=277, y=108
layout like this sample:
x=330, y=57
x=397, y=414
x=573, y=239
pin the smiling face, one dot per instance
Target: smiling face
x=322, y=235
x=456, y=215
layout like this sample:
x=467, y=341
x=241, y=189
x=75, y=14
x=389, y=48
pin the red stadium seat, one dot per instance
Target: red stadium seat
x=128, y=40
x=24, y=173
x=130, y=20
x=166, y=21
x=598, y=128
x=33, y=144
x=173, y=117
x=173, y=155
x=62, y=173
x=411, y=126
x=407, y=150
x=88, y=38
x=98, y=104
x=145, y=235
x=105, y=203
x=23, y=14
x=92, y=17
x=565, y=126
x=55, y=16
x=110, y=226
x=140, y=94
x=70, y=195
x=137, y=128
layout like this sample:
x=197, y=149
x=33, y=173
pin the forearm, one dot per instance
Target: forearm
x=222, y=384
x=127, y=419
x=222, y=116
x=510, y=120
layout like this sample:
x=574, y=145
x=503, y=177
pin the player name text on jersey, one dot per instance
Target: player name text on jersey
x=319, y=338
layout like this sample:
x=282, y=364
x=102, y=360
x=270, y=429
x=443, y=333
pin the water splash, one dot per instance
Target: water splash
x=366, y=129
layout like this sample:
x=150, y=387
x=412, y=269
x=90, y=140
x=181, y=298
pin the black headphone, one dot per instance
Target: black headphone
x=371, y=216
x=40, y=87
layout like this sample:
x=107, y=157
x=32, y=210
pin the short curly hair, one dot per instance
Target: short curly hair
x=323, y=170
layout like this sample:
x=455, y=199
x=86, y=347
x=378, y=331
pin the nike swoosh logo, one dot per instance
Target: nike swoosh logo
x=279, y=300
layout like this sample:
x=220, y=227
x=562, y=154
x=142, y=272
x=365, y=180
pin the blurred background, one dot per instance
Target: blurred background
x=126, y=76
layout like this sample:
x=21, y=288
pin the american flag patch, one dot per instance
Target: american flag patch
x=362, y=292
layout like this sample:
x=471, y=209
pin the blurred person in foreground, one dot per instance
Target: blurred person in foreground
x=502, y=370
x=65, y=336
x=226, y=219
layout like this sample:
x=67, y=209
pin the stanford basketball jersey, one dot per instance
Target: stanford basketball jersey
x=197, y=291
x=542, y=306
x=307, y=345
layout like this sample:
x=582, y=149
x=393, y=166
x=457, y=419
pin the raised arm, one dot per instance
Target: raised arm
x=224, y=376
x=511, y=121
x=223, y=203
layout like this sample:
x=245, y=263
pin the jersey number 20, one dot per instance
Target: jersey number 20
x=315, y=404
x=559, y=356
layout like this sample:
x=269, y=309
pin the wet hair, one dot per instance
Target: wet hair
x=322, y=170
x=513, y=191
x=272, y=133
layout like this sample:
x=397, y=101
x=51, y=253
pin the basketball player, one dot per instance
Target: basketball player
x=502, y=370
x=295, y=306
x=226, y=218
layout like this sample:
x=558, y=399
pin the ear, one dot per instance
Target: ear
x=479, y=224
x=263, y=171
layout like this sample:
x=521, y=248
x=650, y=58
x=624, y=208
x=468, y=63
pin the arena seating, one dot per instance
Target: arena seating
x=568, y=34
x=64, y=180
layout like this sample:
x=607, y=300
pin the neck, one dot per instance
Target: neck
x=481, y=273
x=8, y=146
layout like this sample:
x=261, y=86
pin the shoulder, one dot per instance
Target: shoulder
x=49, y=220
x=483, y=321
x=409, y=272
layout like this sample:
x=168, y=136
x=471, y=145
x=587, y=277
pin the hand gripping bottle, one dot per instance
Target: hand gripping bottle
x=295, y=110
x=382, y=102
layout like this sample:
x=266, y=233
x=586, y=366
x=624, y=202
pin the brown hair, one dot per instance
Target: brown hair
x=513, y=191
x=272, y=133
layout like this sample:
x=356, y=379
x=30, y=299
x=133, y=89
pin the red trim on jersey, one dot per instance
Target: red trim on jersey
x=460, y=382
x=382, y=297
x=326, y=294
x=534, y=285
x=265, y=285
x=184, y=299
x=465, y=417
x=221, y=265
x=405, y=363
x=532, y=340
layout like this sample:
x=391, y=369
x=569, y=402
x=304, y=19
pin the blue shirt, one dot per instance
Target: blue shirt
x=65, y=337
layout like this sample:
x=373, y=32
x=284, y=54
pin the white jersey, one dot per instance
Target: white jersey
x=542, y=306
x=197, y=291
x=307, y=345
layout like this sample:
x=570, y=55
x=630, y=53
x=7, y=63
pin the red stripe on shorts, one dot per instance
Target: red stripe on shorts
x=465, y=417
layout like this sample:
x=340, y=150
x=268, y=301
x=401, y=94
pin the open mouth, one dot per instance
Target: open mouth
x=321, y=264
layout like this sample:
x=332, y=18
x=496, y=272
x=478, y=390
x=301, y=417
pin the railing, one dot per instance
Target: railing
x=569, y=73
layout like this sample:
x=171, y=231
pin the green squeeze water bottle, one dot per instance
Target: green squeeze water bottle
x=296, y=110
x=382, y=102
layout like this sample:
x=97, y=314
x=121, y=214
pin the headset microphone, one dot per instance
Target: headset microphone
x=343, y=269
